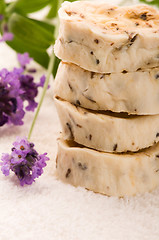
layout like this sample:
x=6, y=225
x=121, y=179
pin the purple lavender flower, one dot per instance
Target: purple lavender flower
x=30, y=90
x=29, y=87
x=24, y=161
x=5, y=167
x=11, y=104
x=7, y=36
x=24, y=59
x=15, y=88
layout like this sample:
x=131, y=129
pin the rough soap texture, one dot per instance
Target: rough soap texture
x=131, y=92
x=106, y=131
x=110, y=174
x=105, y=38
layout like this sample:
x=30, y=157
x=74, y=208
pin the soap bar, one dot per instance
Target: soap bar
x=131, y=92
x=111, y=174
x=107, y=131
x=105, y=38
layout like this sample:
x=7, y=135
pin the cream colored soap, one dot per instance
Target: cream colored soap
x=111, y=174
x=131, y=92
x=106, y=131
x=105, y=38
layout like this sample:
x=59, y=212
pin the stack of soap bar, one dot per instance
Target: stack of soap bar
x=107, y=96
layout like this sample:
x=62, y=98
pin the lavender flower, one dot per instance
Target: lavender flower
x=30, y=90
x=24, y=161
x=11, y=104
x=29, y=87
x=15, y=88
x=24, y=59
x=7, y=36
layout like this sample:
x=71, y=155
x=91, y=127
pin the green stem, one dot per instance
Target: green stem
x=49, y=72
